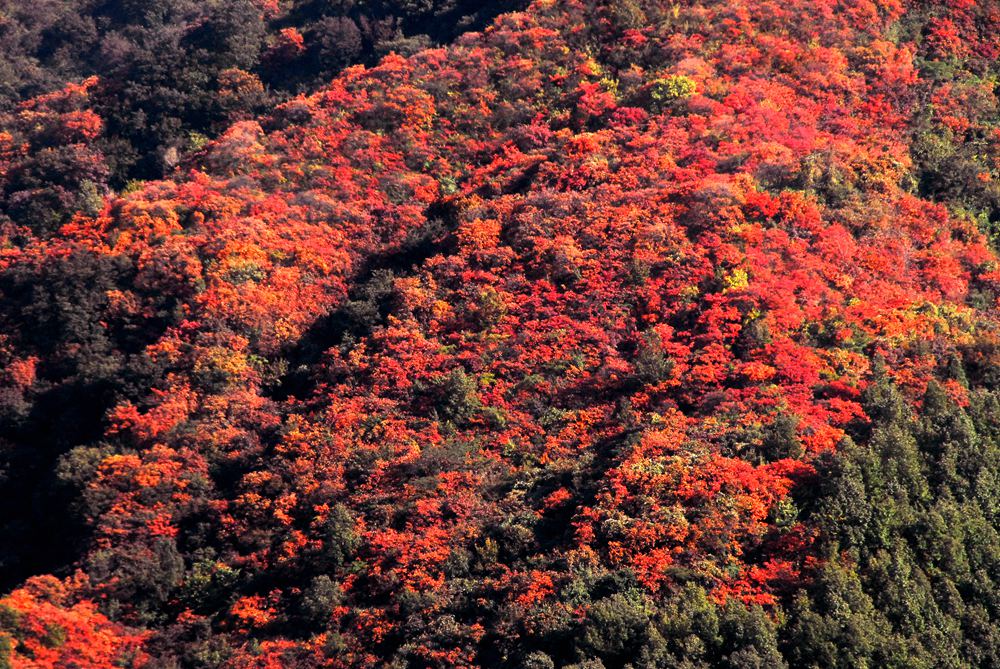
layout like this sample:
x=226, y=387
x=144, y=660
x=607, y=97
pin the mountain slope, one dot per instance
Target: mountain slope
x=620, y=334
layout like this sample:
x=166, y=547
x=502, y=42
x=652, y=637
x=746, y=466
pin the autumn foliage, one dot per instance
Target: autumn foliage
x=618, y=334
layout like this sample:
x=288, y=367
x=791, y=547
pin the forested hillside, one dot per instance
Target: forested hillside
x=615, y=334
x=172, y=73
